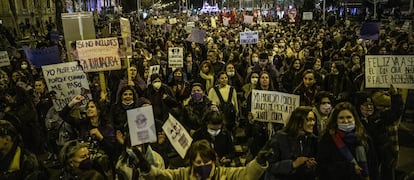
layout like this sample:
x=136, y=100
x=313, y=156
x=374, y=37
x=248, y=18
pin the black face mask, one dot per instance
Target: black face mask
x=203, y=171
x=86, y=164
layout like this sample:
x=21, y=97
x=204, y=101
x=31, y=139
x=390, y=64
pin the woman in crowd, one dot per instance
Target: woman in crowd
x=295, y=148
x=345, y=151
x=203, y=165
x=292, y=77
x=180, y=87
x=308, y=88
x=338, y=82
x=324, y=103
x=206, y=75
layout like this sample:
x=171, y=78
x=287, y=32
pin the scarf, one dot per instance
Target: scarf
x=11, y=161
x=209, y=80
x=341, y=139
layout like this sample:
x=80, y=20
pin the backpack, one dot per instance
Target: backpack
x=227, y=107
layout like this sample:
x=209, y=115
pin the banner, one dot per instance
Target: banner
x=99, y=54
x=273, y=106
x=307, y=16
x=178, y=136
x=175, y=57
x=64, y=81
x=4, y=59
x=383, y=70
x=141, y=125
x=370, y=30
x=126, y=45
x=44, y=56
x=249, y=37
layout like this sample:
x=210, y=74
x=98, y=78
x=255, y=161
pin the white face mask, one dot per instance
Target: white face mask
x=255, y=60
x=156, y=85
x=213, y=133
x=230, y=74
x=325, y=108
x=23, y=66
x=254, y=80
x=346, y=127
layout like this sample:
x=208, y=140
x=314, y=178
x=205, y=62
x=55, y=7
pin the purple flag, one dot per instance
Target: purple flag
x=43, y=56
x=370, y=30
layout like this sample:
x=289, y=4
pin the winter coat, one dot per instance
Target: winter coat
x=193, y=113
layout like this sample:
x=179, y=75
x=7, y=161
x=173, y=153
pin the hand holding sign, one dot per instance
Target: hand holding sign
x=76, y=100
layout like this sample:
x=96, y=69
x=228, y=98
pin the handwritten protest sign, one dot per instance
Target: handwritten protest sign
x=126, y=36
x=178, y=136
x=43, y=56
x=249, y=37
x=307, y=16
x=155, y=69
x=141, y=125
x=383, y=70
x=197, y=35
x=173, y=21
x=213, y=22
x=4, y=59
x=273, y=106
x=66, y=80
x=175, y=57
x=99, y=54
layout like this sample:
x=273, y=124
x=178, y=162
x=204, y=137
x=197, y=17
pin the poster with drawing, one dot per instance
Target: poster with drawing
x=178, y=136
x=141, y=125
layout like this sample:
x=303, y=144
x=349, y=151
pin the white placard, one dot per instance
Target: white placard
x=383, y=70
x=249, y=37
x=191, y=24
x=307, y=16
x=141, y=125
x=173, y=20
x=99, y=54
x=273, y=106
x=248, y=19
x=175, y=57
x=66, y=80
x=178, y=136
x=155, y=69
x=4, y=59
x=213, y=22
x=226, y=21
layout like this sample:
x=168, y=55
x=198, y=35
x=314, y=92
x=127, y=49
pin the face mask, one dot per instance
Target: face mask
x=23, y=66
x=255, y=60
x=127, y=103
x=86, y=164
x=346, y=127
x=178, y=78
x=203, y=171
x=230, y=74
x=325, y=108
x=156, y=85
x=254, y=80
x=197, y=96
x=213, y=132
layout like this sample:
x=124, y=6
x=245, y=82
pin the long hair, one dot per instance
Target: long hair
x=125, y=88
x=294, y=127
x=271, y=84
x=204, y=149
x=332, y=125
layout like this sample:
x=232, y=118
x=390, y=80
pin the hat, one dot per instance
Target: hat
x=381, y=99
x=155, y=76
x=263, y=55
x=361, y=98
x=197, y=84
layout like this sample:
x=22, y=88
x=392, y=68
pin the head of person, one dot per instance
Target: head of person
x=4, y=80
x=75, y=155
x=295, y=65
x=156, y=81
x=324, y=102
x=178, y=75
x=95, y=112
x=263, y=59
x=39, y=86
x=309, y=78
x=212, y=56
x=254, y=78
x=197, y=92
x=128, y=96
x=338, y=68
x=133, y=70
x=9, y=137
x=364, y=104
x=206, y=67
x=230, y=69
x=222, y=78
x=317, y=65
x=301, y=121
x=255, y=58
x=214, y=122
x=265, y=82
x=188, y=58
x=345, y=118
x=202, y=158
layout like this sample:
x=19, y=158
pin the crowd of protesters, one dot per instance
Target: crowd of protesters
x=341, y=130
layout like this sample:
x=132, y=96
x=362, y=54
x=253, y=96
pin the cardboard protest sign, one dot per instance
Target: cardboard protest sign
x=141, y=125
x=66, y=80
x=126, y=46
x=99, y=54
x=197, y=36
x=249, y=37
x=370, y=30
x=178, y=136
x=175, y=57
x=213, y=22
x=4, y=59
x=191, y=24
x=248, y=19
x=226, y=21
x=307, y=16
x=273, y=106
x=44, y=56
x=173, y=20
x=383, y=70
